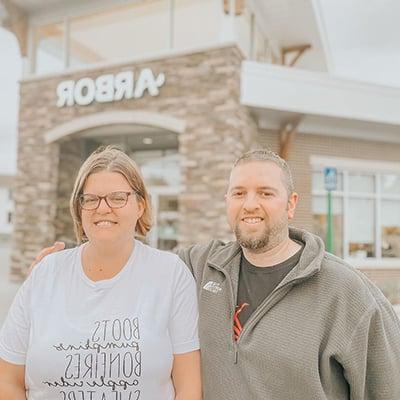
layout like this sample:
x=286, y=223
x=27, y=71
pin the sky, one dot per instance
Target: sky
x=363, y=39
x=10, y=73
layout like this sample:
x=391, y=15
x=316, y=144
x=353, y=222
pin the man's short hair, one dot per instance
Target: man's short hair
x=269, y=156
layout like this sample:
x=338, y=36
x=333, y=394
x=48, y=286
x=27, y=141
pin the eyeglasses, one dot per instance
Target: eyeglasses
x=113, y=200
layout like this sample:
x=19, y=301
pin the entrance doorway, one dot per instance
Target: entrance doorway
x=156, y=152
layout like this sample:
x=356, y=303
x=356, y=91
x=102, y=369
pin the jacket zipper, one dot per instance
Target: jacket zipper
x=232, y=314
x=254, y=317
x=278, y=292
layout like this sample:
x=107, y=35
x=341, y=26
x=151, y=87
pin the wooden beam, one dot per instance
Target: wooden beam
x=298, y=49
x=239, y=6
x=287, y=134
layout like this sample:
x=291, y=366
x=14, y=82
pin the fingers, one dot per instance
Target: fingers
x=57, y=246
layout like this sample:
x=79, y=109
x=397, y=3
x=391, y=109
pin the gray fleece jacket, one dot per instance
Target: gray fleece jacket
x=326, y=332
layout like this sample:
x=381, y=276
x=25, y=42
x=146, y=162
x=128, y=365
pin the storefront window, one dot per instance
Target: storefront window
x=366, y=217
x=361, y=228
x=390, y=184
x=390, y=212
x=49, y=48
x=361, y=183
x=138, y=29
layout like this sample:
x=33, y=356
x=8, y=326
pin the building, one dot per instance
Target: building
x=6, y=208
x=185, y=101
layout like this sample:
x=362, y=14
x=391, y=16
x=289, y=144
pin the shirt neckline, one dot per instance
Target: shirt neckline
x=106, y=283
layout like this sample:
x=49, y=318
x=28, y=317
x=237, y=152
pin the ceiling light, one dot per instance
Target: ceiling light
x=147, y=140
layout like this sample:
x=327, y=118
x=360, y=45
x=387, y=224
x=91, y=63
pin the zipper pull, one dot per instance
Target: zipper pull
x=235, y=357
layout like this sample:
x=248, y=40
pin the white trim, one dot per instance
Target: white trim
x=291, y=90
x=115, y=118
x=345, y=212
x=374, y=263
x=323, y=79
x=374, y=166
x=155, y=56
x=378, y=216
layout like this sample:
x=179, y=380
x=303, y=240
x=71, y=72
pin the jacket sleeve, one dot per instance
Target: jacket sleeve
x=196, y=257
x=371, y=361
x=184, y=254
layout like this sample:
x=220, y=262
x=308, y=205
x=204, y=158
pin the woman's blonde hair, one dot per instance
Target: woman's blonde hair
x=110, y=159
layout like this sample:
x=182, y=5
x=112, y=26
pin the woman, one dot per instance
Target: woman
x=111, y=319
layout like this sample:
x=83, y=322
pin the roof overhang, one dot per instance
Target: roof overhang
x=336, y=107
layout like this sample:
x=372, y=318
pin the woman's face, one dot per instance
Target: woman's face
x=106, y=224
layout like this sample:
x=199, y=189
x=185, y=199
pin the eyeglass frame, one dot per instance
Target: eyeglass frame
x=100, y=198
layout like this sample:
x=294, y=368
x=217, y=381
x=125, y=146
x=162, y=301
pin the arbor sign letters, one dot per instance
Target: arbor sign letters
x=108, y=88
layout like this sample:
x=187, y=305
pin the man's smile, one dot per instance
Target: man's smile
x=252, y=220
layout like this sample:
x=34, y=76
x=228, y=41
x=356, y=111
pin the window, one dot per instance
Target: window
x=366, y=211
x=119, y=33
x=141, y=28
x=49, y=48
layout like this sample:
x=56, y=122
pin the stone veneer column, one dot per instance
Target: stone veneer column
x=219, y=129
x=35, y=197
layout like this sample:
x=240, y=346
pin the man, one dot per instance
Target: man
x=281, y=319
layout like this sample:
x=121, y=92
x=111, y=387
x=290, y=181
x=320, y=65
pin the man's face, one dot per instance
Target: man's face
x=258, y=205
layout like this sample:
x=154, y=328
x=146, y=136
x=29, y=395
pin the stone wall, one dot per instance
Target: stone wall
x=202, y=89
x=70, y=162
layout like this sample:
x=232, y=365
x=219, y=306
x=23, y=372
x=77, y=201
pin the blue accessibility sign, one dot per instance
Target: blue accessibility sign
x=330, y=178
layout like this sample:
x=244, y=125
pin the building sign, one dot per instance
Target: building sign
x=108, y=88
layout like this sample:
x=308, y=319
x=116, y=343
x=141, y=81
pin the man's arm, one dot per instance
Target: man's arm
x=371, y=361
x=57, y=246
x=12, y=381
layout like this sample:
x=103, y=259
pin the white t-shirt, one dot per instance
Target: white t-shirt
x=107, y=340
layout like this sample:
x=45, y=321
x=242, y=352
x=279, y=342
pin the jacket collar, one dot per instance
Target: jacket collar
x=310, y=261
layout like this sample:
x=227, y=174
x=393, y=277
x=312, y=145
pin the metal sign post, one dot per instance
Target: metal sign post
x=330, y=180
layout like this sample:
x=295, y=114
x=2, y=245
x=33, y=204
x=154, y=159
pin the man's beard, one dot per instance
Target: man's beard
x=265, y=240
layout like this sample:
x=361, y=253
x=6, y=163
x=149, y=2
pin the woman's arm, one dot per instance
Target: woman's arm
x=12, y=381
x=186, y=375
